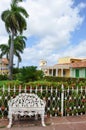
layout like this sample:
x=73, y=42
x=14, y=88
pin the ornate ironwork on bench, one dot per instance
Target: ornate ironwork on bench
x=26, y=104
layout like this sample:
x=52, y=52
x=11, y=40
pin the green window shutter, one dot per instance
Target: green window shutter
x=77, y=73
x=85, y=72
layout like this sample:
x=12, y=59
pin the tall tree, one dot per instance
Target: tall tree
x=19, y=45
x=4, y=50
x=15, y=23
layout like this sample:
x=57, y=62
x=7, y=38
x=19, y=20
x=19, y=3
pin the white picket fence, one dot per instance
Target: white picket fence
x=59, y=101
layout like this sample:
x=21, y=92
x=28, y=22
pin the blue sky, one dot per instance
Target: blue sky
x=80, y=34
x=54, y=29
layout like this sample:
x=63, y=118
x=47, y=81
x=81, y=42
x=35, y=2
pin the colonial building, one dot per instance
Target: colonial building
x=4, y=66
x=79, y=69
x=64, y=68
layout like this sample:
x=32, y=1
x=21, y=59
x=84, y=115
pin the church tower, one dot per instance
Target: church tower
x=42, y=63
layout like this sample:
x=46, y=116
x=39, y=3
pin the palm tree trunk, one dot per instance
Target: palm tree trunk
x=11, y=55
x=18, y=63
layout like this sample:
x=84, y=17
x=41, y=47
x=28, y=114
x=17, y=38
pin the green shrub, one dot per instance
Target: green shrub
x=8, y=83
x=69, y=80
x=29, y=73
x=3, y=77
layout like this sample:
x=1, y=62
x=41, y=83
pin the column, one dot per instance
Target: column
x=56, y=72
x=62, y=72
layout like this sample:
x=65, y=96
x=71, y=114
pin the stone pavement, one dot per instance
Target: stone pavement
x=53, y=123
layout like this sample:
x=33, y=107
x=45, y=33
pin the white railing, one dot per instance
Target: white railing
x=60, y=101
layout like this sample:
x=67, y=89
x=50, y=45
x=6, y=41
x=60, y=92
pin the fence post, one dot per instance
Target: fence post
x=62, y=100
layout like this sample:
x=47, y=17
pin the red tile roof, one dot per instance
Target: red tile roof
x=5, y=61
x=81, y=64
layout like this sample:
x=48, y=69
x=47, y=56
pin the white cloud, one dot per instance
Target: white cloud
x=33, y=55
x=51, y=21
x=77, y=50
x=3, y=39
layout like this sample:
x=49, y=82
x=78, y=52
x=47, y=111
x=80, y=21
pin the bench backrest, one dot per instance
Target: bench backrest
x=26, y=100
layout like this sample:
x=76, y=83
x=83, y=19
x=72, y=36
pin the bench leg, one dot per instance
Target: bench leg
x=10, y=121
x=36, y=117
x=42, y=120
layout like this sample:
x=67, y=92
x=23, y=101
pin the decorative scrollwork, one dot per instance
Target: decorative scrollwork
x=26, y=104
x=26, y=100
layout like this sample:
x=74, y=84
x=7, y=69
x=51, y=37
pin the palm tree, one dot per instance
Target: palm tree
x=4, y=50
x=15, y=23
x=19, y=45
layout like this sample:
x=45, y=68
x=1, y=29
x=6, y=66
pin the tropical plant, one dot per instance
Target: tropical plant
x=29, y=73
x=4, y=50
x=19, y=45
x=15, y=23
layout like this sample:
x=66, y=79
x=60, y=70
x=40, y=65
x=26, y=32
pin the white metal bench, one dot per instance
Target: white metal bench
x=26, y=104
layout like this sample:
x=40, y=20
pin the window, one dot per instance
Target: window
x=64, y=72
x=85, y=72
x=77, y=73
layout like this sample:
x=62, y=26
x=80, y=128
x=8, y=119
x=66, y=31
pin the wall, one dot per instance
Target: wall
x=82, y=72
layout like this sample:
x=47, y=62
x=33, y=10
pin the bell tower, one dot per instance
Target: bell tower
x=42, y=63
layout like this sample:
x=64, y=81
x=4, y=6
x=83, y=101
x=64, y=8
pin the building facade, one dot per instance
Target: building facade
x=78, y=69
x=65, y=68
x=4, y=69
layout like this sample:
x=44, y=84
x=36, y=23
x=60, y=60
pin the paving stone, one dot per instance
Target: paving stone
x=54, y=123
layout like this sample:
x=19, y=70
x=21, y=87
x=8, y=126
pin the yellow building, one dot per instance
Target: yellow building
x=4, y=66
x=62, y=69
x=68, y=60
